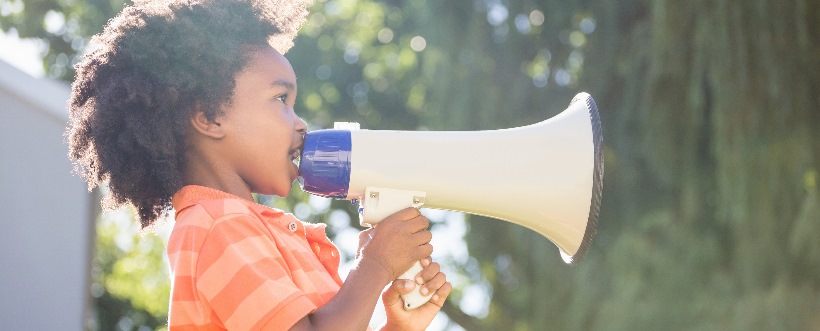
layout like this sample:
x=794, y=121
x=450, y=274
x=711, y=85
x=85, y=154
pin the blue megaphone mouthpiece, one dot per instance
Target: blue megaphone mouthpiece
x=324, y=167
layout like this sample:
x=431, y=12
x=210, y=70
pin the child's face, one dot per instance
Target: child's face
x=263, y=133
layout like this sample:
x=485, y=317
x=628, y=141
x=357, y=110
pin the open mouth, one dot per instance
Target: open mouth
x=296, y=155
x=296, y=152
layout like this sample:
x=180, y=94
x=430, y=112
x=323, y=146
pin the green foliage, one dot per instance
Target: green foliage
x=130, y=275
x=65, y=25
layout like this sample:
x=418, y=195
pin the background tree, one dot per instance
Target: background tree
x=64, y=25
x=712, y=135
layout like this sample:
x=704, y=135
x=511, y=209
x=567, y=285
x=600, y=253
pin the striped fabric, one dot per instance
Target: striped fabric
x=238, y=265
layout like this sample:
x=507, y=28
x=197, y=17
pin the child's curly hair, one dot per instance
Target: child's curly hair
x=141, y=78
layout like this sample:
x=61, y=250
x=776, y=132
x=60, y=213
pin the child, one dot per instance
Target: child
x=189, y=105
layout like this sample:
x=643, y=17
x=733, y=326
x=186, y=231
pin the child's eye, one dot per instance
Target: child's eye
x=283, y=98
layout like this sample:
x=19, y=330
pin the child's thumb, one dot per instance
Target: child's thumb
x=392, y=296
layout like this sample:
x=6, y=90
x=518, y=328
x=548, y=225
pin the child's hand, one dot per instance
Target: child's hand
x=396, y=243
x=432, y=281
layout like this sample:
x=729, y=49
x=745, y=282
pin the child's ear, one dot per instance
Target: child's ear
x=203, y=125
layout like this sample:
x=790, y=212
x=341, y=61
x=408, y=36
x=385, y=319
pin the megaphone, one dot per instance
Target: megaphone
x=545, y=176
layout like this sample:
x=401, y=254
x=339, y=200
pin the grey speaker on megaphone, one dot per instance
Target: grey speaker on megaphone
x=545, y=176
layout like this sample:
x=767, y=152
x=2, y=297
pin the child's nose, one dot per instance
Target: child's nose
x=301, y=125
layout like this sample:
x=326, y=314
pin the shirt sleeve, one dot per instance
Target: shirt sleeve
x=244, y=278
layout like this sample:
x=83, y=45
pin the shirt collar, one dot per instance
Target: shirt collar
x=192, y=194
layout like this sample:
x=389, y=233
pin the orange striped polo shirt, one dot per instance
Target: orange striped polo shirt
x=238, y=265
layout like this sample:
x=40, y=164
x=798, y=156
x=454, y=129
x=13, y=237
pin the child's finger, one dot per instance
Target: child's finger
x=405, y=214
x=418, y=223
x=422, y=237
x=391, y=296
x=366, y=235
x=426, y=261
x=441, y=294
x=433, y=284
x=424, y=250
x=427, y=273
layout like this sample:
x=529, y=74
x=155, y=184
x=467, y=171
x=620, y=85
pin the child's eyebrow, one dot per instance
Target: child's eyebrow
x=287, y=84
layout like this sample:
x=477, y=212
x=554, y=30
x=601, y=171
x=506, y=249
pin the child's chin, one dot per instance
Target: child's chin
x=286, y=192
x=288, y=189
x=280, y=190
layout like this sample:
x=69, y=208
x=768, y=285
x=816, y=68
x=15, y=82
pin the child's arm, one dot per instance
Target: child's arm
x=393, y=246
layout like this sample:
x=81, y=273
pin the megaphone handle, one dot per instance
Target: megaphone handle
x=414, y=299
x=378, y=203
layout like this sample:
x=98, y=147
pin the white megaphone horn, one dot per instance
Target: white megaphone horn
x=545, y=176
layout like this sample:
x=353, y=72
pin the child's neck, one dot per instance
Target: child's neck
x=204, y=171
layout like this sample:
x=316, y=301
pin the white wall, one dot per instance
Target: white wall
x=45, y=212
